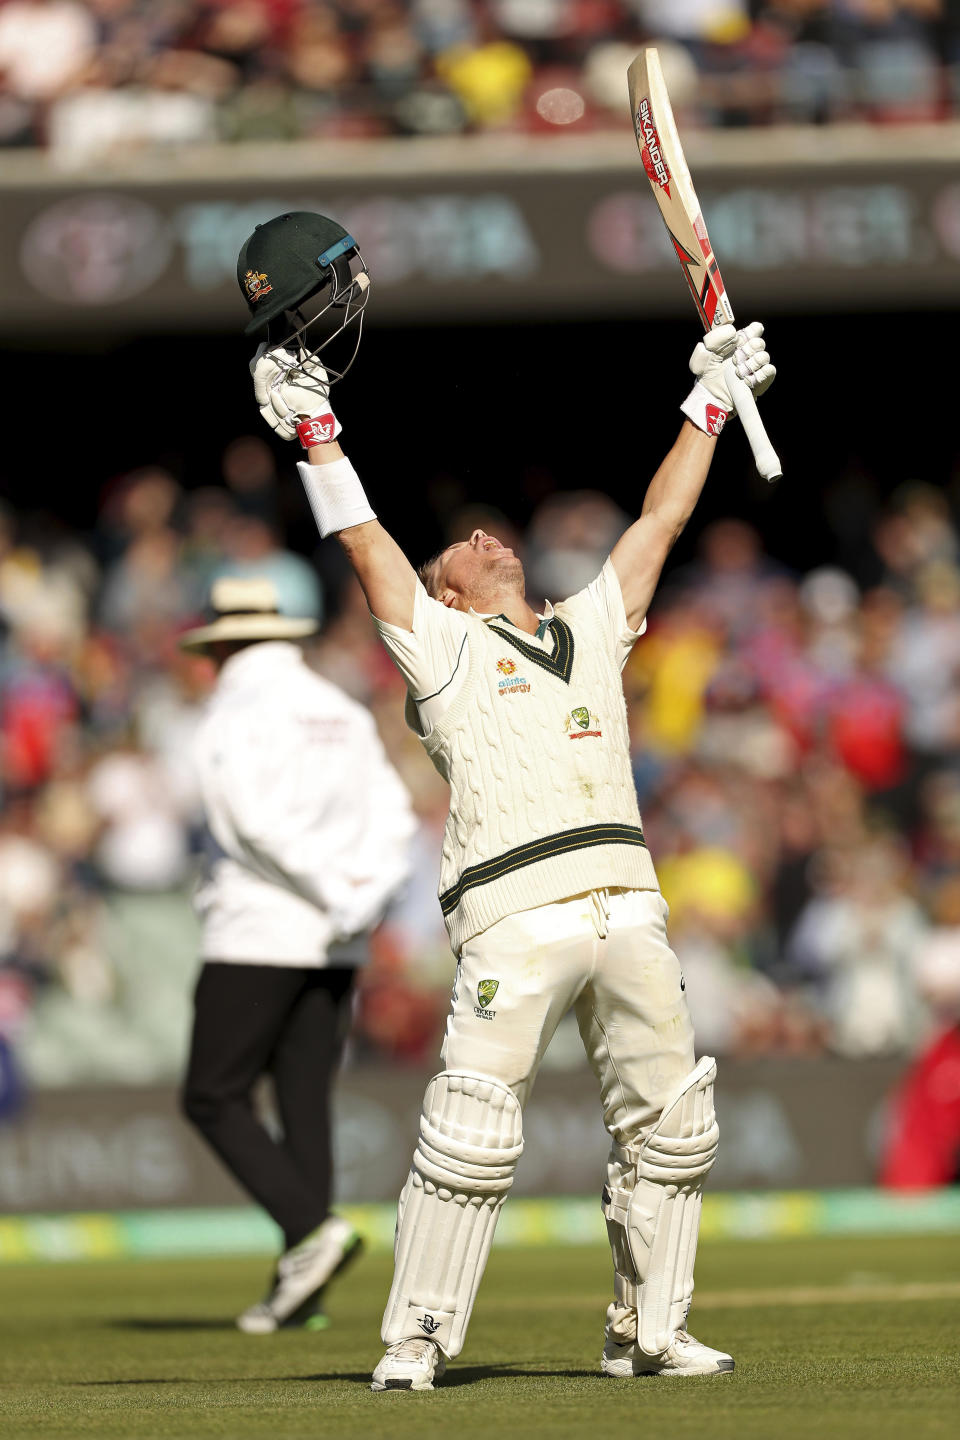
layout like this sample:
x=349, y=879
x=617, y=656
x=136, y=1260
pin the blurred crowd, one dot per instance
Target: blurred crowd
x=796, y=748
x=95, y=77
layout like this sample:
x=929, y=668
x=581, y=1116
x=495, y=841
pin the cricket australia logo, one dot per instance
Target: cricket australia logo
x=512, y=683
x=582, y=724
x=256, y=285
x=486, y=989
x=428, y=1325
x=650, y=152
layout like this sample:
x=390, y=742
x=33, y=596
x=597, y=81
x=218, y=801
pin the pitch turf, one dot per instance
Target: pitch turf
x=853, y=1338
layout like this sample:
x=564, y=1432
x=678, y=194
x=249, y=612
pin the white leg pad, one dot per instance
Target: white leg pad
x=652, y=1205
x=471, y=1138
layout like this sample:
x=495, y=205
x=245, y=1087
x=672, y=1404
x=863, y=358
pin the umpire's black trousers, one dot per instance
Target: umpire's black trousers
x=250, y=1020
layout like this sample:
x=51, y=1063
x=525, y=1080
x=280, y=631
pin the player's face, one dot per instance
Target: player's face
x=478, y=567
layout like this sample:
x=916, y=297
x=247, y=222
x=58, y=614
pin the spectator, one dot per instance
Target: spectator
x=43, y=45
x=924, y=660
x=145, y=587
x=143, y=840
x=923, y=1141
x=489, y=80
x=252, y=549
x=857, y=945
x=570, y=537
x=97, y=79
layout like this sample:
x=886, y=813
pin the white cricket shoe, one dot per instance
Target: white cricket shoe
x=411, y=1364
x=685, y=1355
x=302, y=1272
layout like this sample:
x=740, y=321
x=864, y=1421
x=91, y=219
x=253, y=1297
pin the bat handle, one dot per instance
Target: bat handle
x=764, y=455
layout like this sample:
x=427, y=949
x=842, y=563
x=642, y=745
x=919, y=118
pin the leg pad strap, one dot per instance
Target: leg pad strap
x=652, y=1206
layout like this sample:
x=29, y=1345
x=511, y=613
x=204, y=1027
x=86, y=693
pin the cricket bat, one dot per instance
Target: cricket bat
x=666, y=167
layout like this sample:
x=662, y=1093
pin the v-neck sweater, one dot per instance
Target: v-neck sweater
x=535, y=748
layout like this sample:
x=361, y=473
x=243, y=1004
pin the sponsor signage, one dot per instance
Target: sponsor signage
x=785, y=1124
x=553, y=241
x=244, y=1230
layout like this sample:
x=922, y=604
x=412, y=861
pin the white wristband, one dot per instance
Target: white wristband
x=705, y=410
x=336, y=496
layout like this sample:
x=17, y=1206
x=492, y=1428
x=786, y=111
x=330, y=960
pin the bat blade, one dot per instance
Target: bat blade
x=665, y=163
x=666, y=167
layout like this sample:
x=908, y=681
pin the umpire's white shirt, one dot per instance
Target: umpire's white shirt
x=310, y=824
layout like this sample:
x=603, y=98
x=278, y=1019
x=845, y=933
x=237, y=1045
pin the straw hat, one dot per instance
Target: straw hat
x=245, y=610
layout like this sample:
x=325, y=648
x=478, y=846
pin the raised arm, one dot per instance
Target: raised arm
x=294, y=400
x=388, y=579
x=640, y=553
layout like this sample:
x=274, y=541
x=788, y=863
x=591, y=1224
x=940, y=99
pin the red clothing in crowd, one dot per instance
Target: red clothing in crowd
x=866, y=728
x=923, y=1146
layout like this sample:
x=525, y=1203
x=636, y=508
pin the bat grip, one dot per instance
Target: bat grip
x=764, y=455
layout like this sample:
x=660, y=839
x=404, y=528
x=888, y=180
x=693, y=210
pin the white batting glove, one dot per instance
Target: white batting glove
x=293, y=394
x=709, y=404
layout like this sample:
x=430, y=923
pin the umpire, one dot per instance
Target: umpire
x=309, y=829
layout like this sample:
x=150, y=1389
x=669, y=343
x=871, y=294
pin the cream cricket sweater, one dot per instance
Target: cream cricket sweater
x=535, y=749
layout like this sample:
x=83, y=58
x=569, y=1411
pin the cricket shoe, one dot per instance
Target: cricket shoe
x=302, y=1272
x=411, y=1364
x=259, y=1319
x=685, y=1355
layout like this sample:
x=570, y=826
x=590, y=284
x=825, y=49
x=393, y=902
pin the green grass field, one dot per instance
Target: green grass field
x=839, y=1337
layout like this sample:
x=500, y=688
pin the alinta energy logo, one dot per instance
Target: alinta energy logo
x=512, y=683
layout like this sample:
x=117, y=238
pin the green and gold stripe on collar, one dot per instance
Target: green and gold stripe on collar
x=545, y=848
x=560, y=663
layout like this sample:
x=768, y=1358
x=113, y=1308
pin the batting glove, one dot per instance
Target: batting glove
x=293, y=393
x=709, y=404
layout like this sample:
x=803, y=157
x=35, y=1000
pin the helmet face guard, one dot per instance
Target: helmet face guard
x=305, y=284
x=317, y=321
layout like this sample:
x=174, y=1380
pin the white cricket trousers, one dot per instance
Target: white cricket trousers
x=606, y=955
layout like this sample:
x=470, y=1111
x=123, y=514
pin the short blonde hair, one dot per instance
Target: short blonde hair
x=429, y=573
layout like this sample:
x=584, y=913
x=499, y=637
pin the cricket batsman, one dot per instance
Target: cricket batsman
x=547, y=888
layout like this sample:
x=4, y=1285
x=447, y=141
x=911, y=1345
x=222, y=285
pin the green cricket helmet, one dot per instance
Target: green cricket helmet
x=303, y=272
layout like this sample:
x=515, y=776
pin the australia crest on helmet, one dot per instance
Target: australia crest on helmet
x=305, y=284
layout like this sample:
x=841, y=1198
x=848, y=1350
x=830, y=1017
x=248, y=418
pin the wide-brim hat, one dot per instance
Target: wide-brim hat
x=246, y=610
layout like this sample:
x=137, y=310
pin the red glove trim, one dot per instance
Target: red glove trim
x=319, y=430
x=716, y=418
